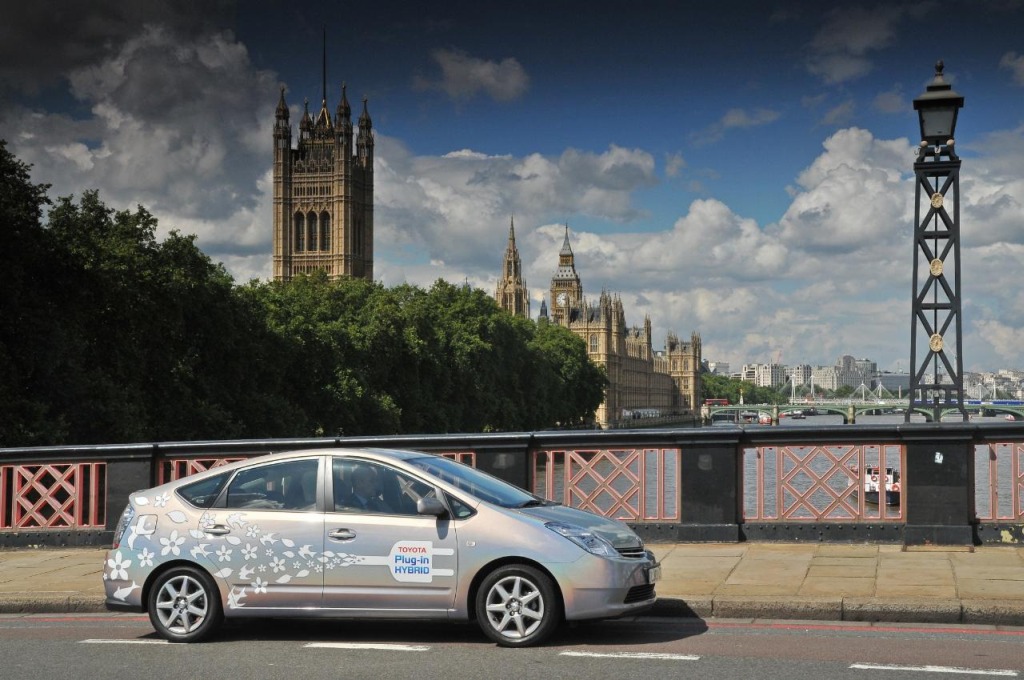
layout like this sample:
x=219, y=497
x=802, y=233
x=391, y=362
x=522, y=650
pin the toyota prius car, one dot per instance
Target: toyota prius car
x=369, y=533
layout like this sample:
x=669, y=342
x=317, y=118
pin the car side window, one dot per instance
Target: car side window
x=459, y=509
x=367, y=487
x=289, y=485
x=203, y=494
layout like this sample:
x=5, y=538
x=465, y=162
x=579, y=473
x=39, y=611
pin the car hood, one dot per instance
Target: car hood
x=613, y=531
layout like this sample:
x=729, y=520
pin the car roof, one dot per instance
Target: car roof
x=380, y=454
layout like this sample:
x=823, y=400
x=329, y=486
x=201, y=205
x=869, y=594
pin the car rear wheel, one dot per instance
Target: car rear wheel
x=517, y=606
x=184, y=605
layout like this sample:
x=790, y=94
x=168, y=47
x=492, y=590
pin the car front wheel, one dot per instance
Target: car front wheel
x=184, y=605
x=517, y=606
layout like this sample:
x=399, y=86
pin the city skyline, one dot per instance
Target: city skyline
x=740, y=170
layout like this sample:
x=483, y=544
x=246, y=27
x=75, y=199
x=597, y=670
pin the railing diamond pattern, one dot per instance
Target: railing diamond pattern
x=818, y=482
x=53, y=496
x=176, y=468
x=627, y=484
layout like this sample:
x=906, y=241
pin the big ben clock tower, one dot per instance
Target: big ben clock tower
x=566, y=289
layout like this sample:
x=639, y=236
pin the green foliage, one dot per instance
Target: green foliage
x=27, y=303
x=108, y=335
x=723, y=387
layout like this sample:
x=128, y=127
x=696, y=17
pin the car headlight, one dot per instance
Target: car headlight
x=584, y=538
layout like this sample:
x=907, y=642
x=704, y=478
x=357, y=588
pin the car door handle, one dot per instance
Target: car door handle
x=342, y=534
x=217, y=530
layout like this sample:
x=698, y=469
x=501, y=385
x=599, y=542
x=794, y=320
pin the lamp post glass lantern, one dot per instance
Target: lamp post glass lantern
x=937, y=109
x=936, y=380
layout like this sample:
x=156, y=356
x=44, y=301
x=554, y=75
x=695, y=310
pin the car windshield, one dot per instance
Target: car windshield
x=476, y=483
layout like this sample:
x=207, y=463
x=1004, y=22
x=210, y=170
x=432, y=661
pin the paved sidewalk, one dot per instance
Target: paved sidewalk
x=825, y=582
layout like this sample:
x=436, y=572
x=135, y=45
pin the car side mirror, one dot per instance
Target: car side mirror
x=431, y=506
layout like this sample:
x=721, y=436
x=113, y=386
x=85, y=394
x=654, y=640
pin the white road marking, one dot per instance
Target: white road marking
x=98, y=641
x=634, y=655
x=934, y=669
x=368, y=645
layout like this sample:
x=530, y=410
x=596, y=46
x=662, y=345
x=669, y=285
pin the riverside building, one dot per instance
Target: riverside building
x=643, y=382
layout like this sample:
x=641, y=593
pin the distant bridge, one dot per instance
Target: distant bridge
x=849, y=409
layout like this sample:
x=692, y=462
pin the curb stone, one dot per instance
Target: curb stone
x=774, y=607
x=901, y=611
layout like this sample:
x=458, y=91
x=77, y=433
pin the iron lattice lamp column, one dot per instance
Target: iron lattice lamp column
x=936, y=381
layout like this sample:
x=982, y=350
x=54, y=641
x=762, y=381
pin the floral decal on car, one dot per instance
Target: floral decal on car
x=263, y=558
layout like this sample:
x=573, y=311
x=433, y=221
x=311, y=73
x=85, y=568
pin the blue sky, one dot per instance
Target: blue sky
x=738, y=169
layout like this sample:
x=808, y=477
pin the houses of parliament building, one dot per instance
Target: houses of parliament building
x=642, y=382
x=323, y=220
x=323, y=193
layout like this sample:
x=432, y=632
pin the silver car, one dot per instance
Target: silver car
x=369, y=534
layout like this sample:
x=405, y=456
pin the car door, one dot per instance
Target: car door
x=384, y=558
x=265, y=538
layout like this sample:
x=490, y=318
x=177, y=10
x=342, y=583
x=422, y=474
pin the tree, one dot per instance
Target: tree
x=843, y=391
x=569, y=384
x=109, y=335
x=723, y=387
x=28, y=339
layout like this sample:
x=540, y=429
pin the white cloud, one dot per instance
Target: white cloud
x=166, y=115
x=839, y=115
x=856, y=196
x=447, y=205
x=62, y=37
x=892, y=101
x=464, y=76
x=1015, y=64
x=179, y=125
x=735, y=118
x=674, y=164
x=841, y=50
x=1002, y=338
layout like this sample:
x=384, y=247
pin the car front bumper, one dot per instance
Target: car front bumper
x=596, y=587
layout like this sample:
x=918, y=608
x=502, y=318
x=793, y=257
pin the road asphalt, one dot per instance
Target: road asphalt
x=807, y=581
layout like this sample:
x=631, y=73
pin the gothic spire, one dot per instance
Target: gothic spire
x=344, y=110
x=566, y=248
x=364, y=142
x=323, y=119
x=282, y=107
x=364, y=118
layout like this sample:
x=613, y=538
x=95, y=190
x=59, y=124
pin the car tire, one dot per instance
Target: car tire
x=184, y=605
x=518, y=606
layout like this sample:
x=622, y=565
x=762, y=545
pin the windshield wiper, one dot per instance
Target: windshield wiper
x=535, y=502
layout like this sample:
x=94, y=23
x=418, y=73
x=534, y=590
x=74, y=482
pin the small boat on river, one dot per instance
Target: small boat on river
x=873, y=483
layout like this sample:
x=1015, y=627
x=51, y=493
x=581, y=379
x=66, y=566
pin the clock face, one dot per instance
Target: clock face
x=561, y=298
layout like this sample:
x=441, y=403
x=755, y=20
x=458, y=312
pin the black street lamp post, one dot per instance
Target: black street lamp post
x=936, y=327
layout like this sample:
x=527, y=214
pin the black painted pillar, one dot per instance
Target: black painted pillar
x=709, y=489
x=124, y=477
x=939, y=487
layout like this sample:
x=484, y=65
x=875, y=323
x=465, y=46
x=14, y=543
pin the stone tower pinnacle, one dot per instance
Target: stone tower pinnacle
x=323, y=191
x=566, y=289
x=511, y=293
